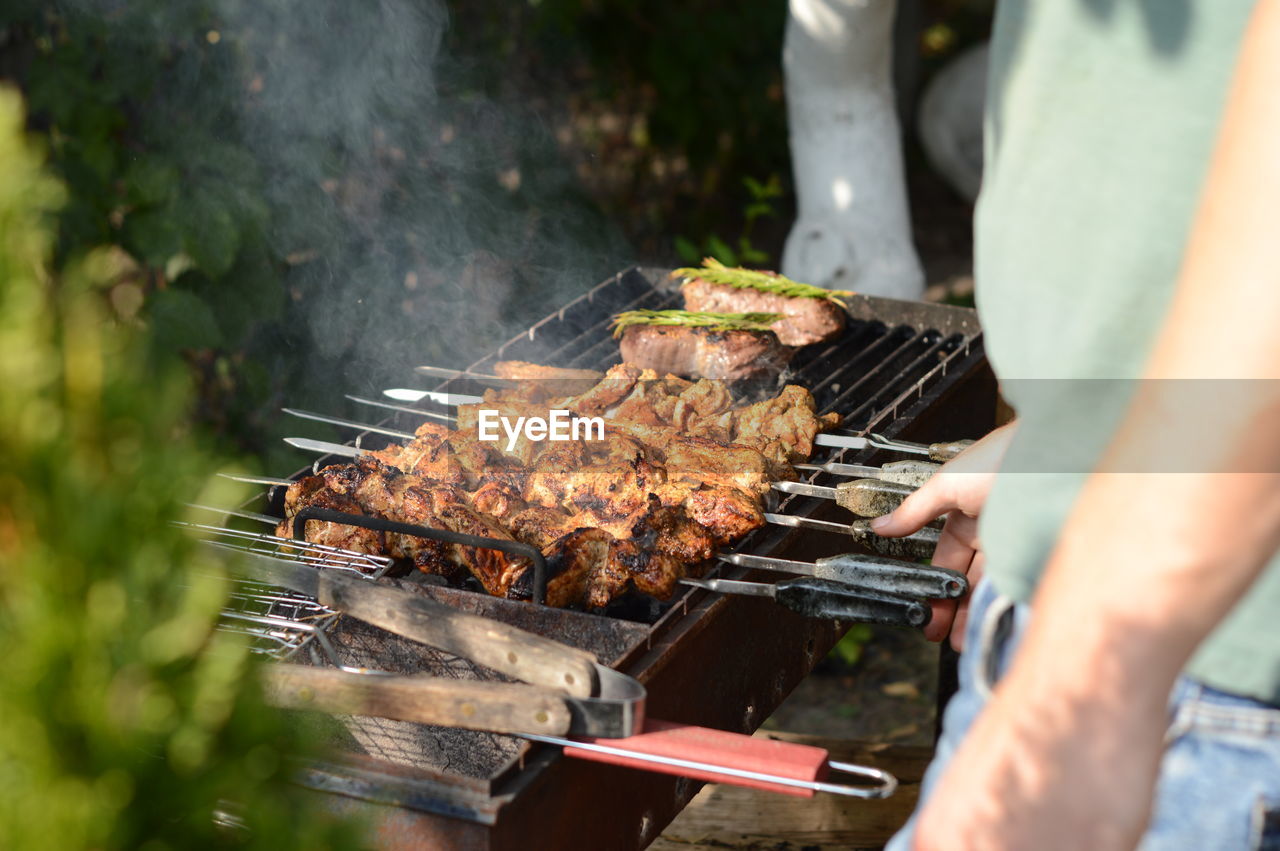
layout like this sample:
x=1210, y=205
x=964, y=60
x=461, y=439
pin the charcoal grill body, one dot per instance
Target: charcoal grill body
x=903, y=369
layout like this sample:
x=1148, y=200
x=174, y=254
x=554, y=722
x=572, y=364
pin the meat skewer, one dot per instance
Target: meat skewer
x=864, y=497
x=870, y=573
x=377, y=403
x=729, y=512
x=338, y=421
x=913, y=547
x=913, y=473
x=553, y=380
x=932, y=451
x=587, y=565
x=401, y=394
x=822, y=598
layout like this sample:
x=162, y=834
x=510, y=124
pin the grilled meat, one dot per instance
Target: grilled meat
x=806, y=320
x=542, y=382
x=790, y=418
x=606, y=493
x=648, y=549
x=580, y=396
x=729, y=514
x=311, y=491
x=370, y=488
x=704, y=352
x=439, y=454
x=680, y=473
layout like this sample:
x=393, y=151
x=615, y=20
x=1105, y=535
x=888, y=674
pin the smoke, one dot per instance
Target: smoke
x=410, y=195
x=429, y=218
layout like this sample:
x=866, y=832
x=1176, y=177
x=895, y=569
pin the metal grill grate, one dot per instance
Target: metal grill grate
x=899, y=369
x=282, y=625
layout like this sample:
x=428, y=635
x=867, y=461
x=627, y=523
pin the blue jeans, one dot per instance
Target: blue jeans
x=1219, y=785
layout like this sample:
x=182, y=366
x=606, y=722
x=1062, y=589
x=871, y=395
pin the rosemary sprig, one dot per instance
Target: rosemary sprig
x=715, y=272
x=691, y=319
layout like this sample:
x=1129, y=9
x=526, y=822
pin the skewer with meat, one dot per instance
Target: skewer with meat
x=590, y=566
x=639, y=509
x=538, y=382
x=807, y=314
x=781, y=429
x=585, y=397
x=374, y=489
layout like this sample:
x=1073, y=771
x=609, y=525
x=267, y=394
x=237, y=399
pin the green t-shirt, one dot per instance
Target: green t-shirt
x=1101, y=118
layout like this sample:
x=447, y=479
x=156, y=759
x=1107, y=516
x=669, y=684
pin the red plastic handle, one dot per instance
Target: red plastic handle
x=716, y=748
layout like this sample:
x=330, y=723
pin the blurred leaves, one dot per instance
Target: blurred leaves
x=182, y=321
x=128, y=720
x=760, y=205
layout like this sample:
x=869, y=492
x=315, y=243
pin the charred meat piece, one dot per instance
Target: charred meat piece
x=602, y=495
x=311, y=491
x=375, y=490
x=541, y=526
x=670, y=530
x=576, y=563
x=727, y=513
x=651, y=571
x=497, y=500
x=446, y=456
x=704, y=462
x=543, y=382
x=613, y=388
x=790, y=417
x=704, y=352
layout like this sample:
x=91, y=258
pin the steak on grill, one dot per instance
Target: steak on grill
x=807, y=320
x=704, y=352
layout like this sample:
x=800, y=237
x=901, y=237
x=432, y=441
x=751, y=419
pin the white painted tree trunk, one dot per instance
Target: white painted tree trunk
x=853, y=230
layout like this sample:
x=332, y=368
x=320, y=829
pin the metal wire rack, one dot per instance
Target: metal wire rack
x=283, y=625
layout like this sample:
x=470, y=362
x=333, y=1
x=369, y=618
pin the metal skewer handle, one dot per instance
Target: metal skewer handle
x=864, y=497
x=913, y=547
x=868, y=574
x=912, y=472
x=932, y=451
x=823, y=598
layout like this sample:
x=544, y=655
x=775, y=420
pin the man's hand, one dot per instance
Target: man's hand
x=957, y=491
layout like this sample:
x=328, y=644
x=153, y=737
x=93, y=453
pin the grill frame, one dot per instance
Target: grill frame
x=922, y=376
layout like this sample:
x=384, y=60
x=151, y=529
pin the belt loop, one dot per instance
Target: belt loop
x=997, y=627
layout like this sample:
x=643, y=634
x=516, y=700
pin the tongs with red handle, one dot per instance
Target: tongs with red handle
x=571, y=700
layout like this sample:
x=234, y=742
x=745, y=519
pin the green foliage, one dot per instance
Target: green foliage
x=692, y=319
x=132, y=100
x=763, y=196
x=713, y=67
x=127, y=718
x=848, y=650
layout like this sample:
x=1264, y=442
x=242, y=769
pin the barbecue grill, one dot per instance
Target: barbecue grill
x=901, y=369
